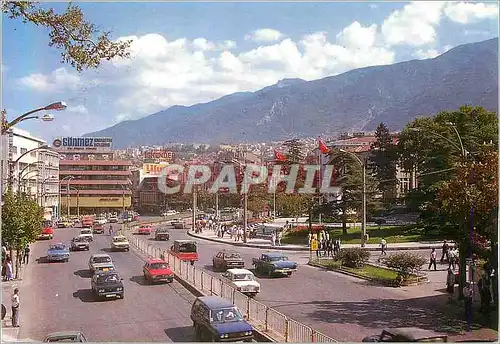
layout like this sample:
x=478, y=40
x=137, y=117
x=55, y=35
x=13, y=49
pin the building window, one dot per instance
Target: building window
x=13, y=150
x=33, y=154
x=23, y=150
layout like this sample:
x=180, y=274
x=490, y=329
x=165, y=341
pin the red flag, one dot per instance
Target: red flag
x=279, y=156
x=323, y=148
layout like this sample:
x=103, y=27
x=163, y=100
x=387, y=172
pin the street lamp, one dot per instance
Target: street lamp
x=363, y=223
x=13, y=163
x=123, y=198
x=460, y=148
x=24, y=177
x=67, y=179
x=20, y=175
x=57, y=106
x=77, y=200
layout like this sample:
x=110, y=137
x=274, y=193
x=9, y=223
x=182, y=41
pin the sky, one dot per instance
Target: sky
x=187, y=53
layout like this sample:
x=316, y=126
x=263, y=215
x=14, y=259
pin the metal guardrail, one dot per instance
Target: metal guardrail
x=264, y=318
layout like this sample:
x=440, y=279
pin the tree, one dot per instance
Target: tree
x=296, y=152
x=430, y=146
x=350, y=180
x=258, y=198
x=80, y=42
x=22, y=221
x=469, y=205
x=384, y=162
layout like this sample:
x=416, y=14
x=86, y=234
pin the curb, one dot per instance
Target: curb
x=285, y=248
x=377, y=281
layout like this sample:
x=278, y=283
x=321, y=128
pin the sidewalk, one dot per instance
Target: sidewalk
x=9, y=333
x=266, y=244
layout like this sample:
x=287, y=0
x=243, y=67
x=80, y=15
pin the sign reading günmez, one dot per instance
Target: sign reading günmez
x=83, y=142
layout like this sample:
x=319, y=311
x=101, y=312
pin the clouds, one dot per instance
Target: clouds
x=264, y=35
x=164, y=71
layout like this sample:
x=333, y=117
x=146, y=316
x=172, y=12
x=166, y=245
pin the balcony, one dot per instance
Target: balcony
x=95, y=173
x=95, y=162
x=99, y=182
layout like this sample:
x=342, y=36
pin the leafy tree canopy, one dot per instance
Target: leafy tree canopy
x=80, y=42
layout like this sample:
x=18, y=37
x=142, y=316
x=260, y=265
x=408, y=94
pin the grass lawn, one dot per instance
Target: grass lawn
x=392, y=234
x=366, y=271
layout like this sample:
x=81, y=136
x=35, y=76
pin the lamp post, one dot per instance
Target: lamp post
x=363, y=223
x=77, y=200
x=460, y=147
x=20, y=174
x=13, y=163
x=24, y=177
x=123, y=198
x=67, y=179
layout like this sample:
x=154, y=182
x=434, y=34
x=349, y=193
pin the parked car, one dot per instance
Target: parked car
x=274, y=263
x=216, y=319
x=162, y=234
x=145, y=229
x=66, y=336
x=243, y=280
x=157, y=270
x=58, y=253
x=98, y=229
x=87, y=234
x=101, y=220
x=107, y=284
x=120, y=243
x=169, y=213
x=227, y=259
x=100, y=262
x=407, y=334
x=79, y=244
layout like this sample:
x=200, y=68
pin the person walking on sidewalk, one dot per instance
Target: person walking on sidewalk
x=468, y=293
x=383, y=247
x=15, y=308
x=445, y=249
x=26, y=257
x=8, y=269
x=450, y=283
x=432, y=259
x=280, y=234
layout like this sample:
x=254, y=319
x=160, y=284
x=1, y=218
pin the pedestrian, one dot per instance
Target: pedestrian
x=15, y=308
x=451, y=259
x=273, y=239
x=162, y=255
x=484, y=291
x=8, y=270
x=468, y=293
x=280, y=234
x=309, y=238
x=26, y=257
x=383, y=246
x=329, y=247
x=432, y=259
x=450, y=283
x=444, y=254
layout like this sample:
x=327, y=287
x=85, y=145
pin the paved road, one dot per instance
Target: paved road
x=340, y=306
x=56, y=297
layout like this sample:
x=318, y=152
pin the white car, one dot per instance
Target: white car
x=243, y=280
x=87, y=234
x=101, y=220
x=169, y=213
x=120, y=243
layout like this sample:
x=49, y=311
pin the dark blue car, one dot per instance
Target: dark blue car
x=217, y=320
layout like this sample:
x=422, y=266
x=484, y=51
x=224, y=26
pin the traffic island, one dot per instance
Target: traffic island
x=373, y=273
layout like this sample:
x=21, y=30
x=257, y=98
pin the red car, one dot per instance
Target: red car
x=157, y=270
x=145, y=229
x=47, y=234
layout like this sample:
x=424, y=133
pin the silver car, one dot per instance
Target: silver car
x=100, y=262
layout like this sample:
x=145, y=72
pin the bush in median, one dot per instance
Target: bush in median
x=355, y=257
x=405, y=262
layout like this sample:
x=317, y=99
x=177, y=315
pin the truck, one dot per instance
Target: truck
x=87, y=221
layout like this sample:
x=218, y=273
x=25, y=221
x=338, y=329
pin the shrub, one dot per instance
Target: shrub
x=405, y=262
x=355, y=257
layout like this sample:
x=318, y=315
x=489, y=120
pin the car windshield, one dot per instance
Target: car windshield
x=162, y=230
x=276, y=259
x=243, y=277
x=233, y=255
x=158, y=266
x=187, y=247
x=57, y=247
x=146, y=227
x=79, y=239
x=225, y=315
x=113, y=278
x=63, y=339
x=120, y=239
x=101, y=260
x=85, y=231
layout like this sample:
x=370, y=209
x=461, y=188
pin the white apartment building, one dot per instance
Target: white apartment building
x=33, y=172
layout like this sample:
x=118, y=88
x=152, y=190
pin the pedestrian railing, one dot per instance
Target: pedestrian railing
x=275, y=324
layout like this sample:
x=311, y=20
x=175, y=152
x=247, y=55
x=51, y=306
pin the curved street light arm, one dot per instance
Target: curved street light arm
x=460, y=148
x=21, y=118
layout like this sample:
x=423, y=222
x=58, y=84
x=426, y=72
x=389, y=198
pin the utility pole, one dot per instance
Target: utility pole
x=193, y=226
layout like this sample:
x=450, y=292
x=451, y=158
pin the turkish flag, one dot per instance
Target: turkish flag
x=323, y=148
x=279, y=156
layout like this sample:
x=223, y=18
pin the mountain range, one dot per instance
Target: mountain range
x=354, y=101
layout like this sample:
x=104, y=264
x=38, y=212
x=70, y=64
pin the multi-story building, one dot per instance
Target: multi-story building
x=32, y=170
x=97, y=182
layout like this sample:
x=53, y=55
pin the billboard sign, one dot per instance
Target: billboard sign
x=151, y=170
x=162, y=155
x=85, y=143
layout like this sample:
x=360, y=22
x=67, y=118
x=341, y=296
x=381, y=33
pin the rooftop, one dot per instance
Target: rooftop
x=215, y=301
x=274, y=254
x=239, y=271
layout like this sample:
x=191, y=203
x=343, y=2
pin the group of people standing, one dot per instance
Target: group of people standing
x=7, y=266
x=327, y=246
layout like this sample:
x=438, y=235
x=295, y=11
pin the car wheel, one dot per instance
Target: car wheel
x=214, y=266
x=146, y=279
